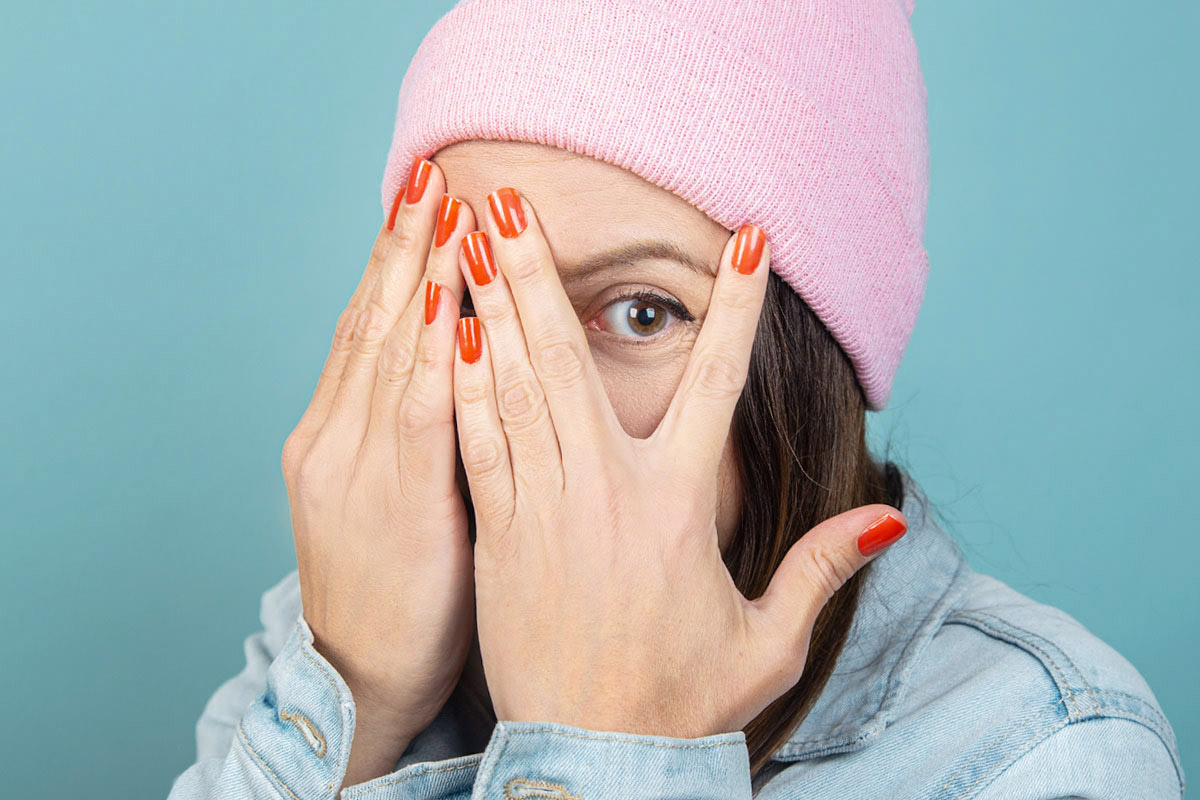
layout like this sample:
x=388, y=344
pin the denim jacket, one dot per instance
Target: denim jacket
x=950, y=685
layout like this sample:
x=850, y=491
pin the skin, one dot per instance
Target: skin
x=602, y=599
x=389, y=578
x=639, y=376
x=587, y=206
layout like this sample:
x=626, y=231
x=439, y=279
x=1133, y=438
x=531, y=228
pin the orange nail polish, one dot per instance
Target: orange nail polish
x=395, y=207
x=747, y=250
x=880, y=534
x=447, y=219
x=433, y=292
x=418, y=176
x=507, y=212
x=469, y=346
x=478, y=250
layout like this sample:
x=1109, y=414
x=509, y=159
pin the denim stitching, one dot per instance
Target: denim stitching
x=489, y=769
x=310, y=732
x=995, y=743
x=1073, y=715
x=1032, y=743
x=317, y=664
x=1074, y=668
x=348, y=793
x=1035, y=742
x=630, y=741
x=1141, y=701
x=1065, y=694
x=263, y=764
x=250, y=747
x=561, y=792
x=1056, y=670
x=893, y=685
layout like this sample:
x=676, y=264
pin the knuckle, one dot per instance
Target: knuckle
x=719, y=377
x=828, y=570
x=415, y=415
x=405, y=239
x=379, y=251
x=524, y=267
x=294, y=449
x=520, y=402
x=373, y=326
x=561, y=362
x=739, y=301
x=483, y=457
x=472, y=392
x=343, y=332
x=395, y=362
x=499, y=315
x=312, y=477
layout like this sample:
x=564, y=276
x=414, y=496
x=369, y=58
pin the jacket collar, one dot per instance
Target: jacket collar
x=907, y=594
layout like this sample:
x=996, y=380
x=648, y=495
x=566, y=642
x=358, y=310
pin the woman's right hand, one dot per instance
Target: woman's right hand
x=386, y=567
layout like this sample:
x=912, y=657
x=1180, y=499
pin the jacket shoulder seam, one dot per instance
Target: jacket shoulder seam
x=1071, y=684
x=1081, y=699
x=1049, y=733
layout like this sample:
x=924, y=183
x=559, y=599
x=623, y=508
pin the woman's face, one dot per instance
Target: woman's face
x=590, y=211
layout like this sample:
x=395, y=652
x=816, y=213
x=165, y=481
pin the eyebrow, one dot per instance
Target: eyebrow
x=626, y=254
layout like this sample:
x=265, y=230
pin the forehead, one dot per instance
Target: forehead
x=584, y=205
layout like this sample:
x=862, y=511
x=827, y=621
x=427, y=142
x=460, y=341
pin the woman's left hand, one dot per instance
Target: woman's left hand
x=602, y=598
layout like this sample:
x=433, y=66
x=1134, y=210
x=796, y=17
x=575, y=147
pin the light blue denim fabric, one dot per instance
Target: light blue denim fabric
x=950, y=685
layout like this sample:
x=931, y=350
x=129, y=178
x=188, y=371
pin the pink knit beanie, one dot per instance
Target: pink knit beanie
x=805, y=117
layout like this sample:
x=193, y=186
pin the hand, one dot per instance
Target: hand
x=602, y=598
x=380, y=525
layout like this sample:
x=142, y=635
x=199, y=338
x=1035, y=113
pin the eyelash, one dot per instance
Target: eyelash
x=677, y=309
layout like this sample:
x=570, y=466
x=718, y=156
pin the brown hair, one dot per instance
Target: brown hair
x=800, y=435
x=800, y=432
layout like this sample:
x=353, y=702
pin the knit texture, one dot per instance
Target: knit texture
x=805, y=117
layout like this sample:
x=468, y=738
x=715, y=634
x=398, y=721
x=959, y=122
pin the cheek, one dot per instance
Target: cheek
x=640, y=395
x=640, y=392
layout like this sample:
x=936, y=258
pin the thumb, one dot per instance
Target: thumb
x=821, y=562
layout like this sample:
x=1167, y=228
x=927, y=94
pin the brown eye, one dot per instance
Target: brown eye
x=634, y=317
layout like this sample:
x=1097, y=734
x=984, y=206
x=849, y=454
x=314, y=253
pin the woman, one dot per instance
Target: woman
x=582, y=503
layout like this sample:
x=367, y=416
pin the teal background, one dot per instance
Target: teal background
x=190, y=193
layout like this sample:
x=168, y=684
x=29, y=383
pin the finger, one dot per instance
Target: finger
x=556, y=343
x=697, y=422
x=520, y=400
x=410, y=346
x=400, y=272
x=419, y=434
x=481, y=437
x=331, y=373
x=819, y=564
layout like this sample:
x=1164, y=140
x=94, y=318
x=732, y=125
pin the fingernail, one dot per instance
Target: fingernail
x=418, y=176
x=469, y=345
x=879, y=534
x=447, y=219
x=433, y=291
x=478, y=251
x=747, y=250
x=395, y=207
x=507, y=212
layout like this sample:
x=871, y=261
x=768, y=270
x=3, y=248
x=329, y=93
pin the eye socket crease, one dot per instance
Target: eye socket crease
x=631, y=252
